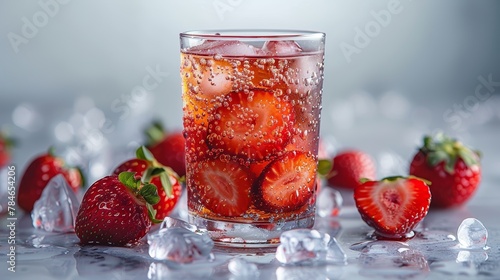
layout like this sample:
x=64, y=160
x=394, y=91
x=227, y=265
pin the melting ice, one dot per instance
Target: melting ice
x=329, y=202
x=56, y=209
x=175, y=241
x=243, y=269
x=309, y=246
x=472, y=234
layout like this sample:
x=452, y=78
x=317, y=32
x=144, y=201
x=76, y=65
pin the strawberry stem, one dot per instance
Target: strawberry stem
x=167, y=185
x=324, y=167
x=445, y=149
x=152, y=214
x=143, y=153
x=9, y=142
x=155, y=133
x=150, y=194
x=128, y=179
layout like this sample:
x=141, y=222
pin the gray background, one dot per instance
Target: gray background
x=76, y=81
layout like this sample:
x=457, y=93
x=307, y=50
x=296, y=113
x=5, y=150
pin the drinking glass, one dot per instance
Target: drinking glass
x=251, y=116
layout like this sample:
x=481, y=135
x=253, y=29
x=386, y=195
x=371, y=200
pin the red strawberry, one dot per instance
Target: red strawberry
x=5, y=145
x=251, y=124
x=287, y=183
x=222, y=187
x=38, y=174
x=167, y=148
x=116, y=210
x=167, y=181
x=349, y=167
x=453, y=169
x=393, y=206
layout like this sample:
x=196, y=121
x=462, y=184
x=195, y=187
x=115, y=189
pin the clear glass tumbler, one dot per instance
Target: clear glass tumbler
x=252, y=104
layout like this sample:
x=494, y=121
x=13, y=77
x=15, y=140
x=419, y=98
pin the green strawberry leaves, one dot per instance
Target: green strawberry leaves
x=442, y=148
x=128, y=179
x=156, y=169
x=143, y=153
x=147, y=191
x=324, y=167
x=150, y=194
x=155, y=133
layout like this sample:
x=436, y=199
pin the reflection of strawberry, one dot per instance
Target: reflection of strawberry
x=453, y=169
x=222, y=187
x=5, y=146
x=287, y=183
x=252, y=125
x=167, y=181
x=116, y=210
x=393, y=206
x=168, y=148
x=349, y=167
x=38, y=174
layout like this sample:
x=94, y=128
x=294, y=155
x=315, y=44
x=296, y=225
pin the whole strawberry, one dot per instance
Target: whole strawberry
x=116, y=210
x=453, y=169
x=5, y=145
x=38, y=174
x=146, y=167
x=167, y=148
x=349, y=167
x=393, y=206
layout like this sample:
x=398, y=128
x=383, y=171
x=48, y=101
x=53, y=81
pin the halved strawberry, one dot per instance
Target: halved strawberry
x=287, y=183
x=393, y=206
x=223, y=187
x=252, y=124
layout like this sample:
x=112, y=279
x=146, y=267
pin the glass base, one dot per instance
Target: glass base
x=254, y=235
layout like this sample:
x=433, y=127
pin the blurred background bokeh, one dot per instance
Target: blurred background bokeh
x=88, y=76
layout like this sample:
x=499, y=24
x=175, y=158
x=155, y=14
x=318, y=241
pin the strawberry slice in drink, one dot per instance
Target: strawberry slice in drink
x=286, y=184
x=222, y=187
x=254, y=125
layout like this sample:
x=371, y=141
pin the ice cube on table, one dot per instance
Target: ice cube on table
x=243, y=269
x=329, y=202
x=170, y=222
x=180, y=245
x=472, y=234
x=334, y=253
x=57, y=207
x=308, y=246
x=281, y=47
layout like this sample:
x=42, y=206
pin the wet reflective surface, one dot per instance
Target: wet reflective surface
x=433, y=253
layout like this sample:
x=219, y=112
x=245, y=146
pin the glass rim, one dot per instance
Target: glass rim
x=253, y=34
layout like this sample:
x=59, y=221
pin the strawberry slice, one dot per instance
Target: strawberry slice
x=222, y=187
x=251, y=124
x=287, y=183
x=393, y=206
